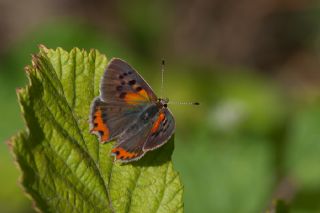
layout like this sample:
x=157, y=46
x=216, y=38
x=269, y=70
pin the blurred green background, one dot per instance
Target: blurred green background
x=253, y=66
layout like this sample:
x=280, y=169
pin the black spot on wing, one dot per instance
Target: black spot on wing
x=122, y=95
x=119, y=88
x=100, y=133
x=132, y=82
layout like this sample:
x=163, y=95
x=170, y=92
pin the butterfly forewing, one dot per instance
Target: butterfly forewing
x=122, y=84
x=123, y=94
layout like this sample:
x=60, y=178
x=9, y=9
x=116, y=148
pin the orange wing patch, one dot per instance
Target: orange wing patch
x=100, y=127
x=156, y=124
x=136, y=98
x=122, y=154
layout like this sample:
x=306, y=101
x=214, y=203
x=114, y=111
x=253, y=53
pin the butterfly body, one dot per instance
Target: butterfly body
x=129, y=112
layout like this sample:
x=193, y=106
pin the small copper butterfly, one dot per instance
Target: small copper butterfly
x=129, y=112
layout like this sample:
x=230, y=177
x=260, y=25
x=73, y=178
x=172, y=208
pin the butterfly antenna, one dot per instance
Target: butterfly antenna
x=183, y=103
x=162, y=77
x=161, y=91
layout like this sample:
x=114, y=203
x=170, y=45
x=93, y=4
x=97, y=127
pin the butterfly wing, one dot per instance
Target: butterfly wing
x=161, y=131
x=139, y=139
x=129, y=146
x=108, y=120
x=122, y=84
x=123, y=95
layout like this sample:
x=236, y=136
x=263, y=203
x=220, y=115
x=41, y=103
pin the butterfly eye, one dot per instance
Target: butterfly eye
x=165, y=105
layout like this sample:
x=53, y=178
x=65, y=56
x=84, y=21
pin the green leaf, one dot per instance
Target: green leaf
x=64, y=168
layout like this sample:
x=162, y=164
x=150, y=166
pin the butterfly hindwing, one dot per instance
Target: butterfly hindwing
x=162, y=130
x=142, y=137
x=108, y=120
x=130, y=144
x=98, y=125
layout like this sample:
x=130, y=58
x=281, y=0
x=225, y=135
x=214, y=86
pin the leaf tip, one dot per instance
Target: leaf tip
x=34, y=60
x=27, y=69
x=43, y=48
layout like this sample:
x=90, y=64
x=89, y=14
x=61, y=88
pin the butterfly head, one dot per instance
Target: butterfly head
x=163, y=102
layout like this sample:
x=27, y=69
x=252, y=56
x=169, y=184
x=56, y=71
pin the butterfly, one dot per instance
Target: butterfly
x=129, y=112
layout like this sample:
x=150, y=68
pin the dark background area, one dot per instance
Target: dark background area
x=253, y=65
